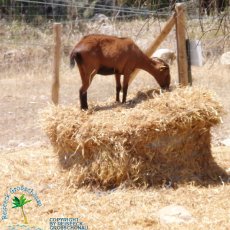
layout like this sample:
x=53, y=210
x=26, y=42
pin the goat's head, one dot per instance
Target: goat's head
x=162, y=75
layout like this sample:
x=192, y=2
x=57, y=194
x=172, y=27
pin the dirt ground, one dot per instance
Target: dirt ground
x=119, y=208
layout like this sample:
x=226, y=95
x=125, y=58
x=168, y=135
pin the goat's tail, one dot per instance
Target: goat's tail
x=75, y=57
x=72, y=59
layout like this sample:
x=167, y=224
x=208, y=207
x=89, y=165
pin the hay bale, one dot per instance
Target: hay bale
x=157, y=138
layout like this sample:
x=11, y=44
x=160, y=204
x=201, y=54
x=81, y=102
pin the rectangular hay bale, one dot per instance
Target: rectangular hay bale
x=157, y=138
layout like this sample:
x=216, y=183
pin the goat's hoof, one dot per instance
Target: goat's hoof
x=127, y=103
x=84, y=108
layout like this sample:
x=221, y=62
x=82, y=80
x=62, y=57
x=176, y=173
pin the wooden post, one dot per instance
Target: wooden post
x=182, y=59
x=56, y=62
x=165, y=31
x=160, y=38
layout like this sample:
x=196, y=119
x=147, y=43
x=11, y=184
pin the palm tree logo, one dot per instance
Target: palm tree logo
x=20, y=202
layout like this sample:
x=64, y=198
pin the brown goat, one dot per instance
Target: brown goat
x=106, y=55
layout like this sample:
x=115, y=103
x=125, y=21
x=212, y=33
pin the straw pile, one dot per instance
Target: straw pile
x=155, y=139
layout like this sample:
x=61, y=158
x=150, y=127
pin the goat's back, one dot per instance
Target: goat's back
x=107, y=49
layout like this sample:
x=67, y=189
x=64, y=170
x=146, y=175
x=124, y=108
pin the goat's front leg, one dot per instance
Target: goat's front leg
x=125, y=87
x=118, y=87
x=83, y=97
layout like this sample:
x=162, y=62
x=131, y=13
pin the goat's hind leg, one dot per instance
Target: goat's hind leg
x=86, y=81
x=83, y=89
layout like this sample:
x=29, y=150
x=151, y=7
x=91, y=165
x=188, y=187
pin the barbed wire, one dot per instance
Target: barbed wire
x=130, y=10
x=158, y=14
x=72, y=4
x=91, y=19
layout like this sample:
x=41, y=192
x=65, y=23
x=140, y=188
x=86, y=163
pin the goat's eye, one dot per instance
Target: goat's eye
x=163, y=67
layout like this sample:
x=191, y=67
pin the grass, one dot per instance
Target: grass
x=209, y=28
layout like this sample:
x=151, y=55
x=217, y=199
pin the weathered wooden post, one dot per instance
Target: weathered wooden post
x=182, y=58
x=165, y=31
x=56, y=62
x=161, y=37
